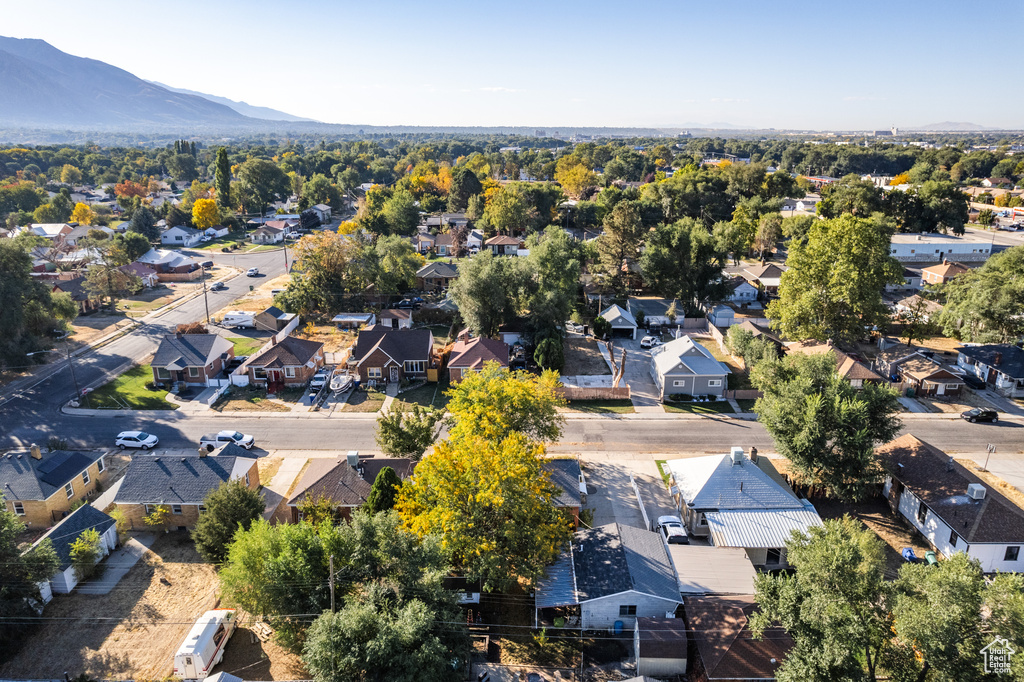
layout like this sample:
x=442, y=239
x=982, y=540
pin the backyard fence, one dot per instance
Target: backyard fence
x=594, y=392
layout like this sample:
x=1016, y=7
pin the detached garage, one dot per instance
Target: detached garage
x=622, y=321
x=63, y=535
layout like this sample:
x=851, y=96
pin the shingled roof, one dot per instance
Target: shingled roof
x=332, y=479
x=438, y=269
x=615, y=558
x=941, y=483
x=727, y=648
x=288, y=352
x=25, y=478
x=153, y=479
x=189, y=350
x=70, y=527
x=399, y=344
x=565, y=473
x=474, y=353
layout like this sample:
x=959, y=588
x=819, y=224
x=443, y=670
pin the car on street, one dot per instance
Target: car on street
x=977, y=414
x=974, y=382
x=211, y=441
x=136, y=439
x=650, y=342
x=672, y=530
x=218, y=286
x=252, y=272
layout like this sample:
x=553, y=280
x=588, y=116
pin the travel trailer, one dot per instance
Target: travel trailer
x=204, y=645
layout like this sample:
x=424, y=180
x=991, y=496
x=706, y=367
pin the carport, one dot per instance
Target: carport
x=622, y=321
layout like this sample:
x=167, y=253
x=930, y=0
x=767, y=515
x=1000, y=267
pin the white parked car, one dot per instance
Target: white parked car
x=212, y=441
x=252, y=272
x=573, y=327
x=650, y=342
x=293, y=235
x=672, y=530
x=136, y=439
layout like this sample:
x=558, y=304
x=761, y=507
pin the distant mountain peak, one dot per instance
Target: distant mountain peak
x=244, y=108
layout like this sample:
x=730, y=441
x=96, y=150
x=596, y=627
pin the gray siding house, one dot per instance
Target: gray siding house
x=684, y=366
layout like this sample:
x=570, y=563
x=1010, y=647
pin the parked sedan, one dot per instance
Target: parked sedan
x=136, y=439
x=672, y=530
x=979, y=415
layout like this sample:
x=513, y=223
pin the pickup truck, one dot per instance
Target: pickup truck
x=211, y=441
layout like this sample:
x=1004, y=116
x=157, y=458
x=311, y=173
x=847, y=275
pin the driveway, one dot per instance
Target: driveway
x=117, y=565
x=642, y=388
x=610, y=495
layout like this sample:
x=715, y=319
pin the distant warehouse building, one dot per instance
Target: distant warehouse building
x=934, y=248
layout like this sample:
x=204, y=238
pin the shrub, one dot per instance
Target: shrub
x=54, y=443
x=602, y=327
x=737, y=340
x=681, y=397
x=85, y=552
x=224, y=249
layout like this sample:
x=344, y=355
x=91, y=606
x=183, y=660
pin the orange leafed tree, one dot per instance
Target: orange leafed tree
x=129, y=188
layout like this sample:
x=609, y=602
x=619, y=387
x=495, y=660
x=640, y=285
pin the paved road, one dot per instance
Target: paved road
x=33, y=401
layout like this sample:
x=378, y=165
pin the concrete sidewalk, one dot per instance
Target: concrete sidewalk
x=275, y=492
x=118, y=564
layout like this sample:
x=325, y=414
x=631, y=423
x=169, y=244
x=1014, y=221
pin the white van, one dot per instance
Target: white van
x=204, y=645
x=238, y=318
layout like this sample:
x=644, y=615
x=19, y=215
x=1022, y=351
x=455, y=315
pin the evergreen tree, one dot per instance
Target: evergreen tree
x=384, y=492
x=222, y=178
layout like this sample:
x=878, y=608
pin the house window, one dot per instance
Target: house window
x=259, y=373
x=373, y=372
x=679, y=382
x=193, y=372
x=247, y=479
x=953, y=538
x=70, y=490
x=1011, y=554
x=150, y=509
x=289, y=372
x=100, y=466
x=627, y=610
x=162, y=373
x=175, y=508
x=714, y=383
x=202, y=508
x=415, y=366
x=703, y=520
x=773, y=557
x=85, y=478
x=19, y=509
x=922, y=512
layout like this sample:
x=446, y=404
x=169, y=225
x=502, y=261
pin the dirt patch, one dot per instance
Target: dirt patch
x=335, y=340
x=267, y=467
x=131, y=632
x=246, y=400
x=875, y=513
x=252, y=659
x=965, y=401
x=89, y=328
x=583, y=357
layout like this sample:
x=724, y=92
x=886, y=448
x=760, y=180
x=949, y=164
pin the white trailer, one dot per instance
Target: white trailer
x=238, y=318
x=204, y=645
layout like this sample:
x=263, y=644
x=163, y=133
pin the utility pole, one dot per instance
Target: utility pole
x=332, y=582
x=71, y=366
x=206, y=301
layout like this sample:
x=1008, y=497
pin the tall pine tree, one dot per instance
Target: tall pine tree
x=222, y=178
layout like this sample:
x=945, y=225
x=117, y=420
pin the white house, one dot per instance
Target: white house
x=934, y=248
x=684, y=366
x=215, y=232
x=323, y=213
x=722, y=316
x=268, y=235
x=740, y=502
x=610, y=576
x=954, y=509
x=475, y=240
x=741, y=291
x=63, y=535
x=184, y=237
x=622, y=321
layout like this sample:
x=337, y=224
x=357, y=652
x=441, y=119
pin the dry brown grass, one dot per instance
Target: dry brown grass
x=1004, y=488
x=583, y=357
x=267, y=467
x=966, y=401
x=144, y=620
x=249, y=658
x=334, y=339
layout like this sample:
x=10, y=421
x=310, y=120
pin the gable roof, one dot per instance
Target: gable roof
x=189, y=350
x=615, y=558
x=187, y=231
x=70, y=527
x=617, y=315
x=565, y=473
x=1010, y=358
x=396, y=313
x=445, y=240
x=714, y=482
x=759, y=332
x=846, y=367
x=769, y=271
x=735, y=282
x=502, y=240
x=769, y=528
x=474, y=353
x=930, y=307
x=694, y=358
x=333, y=479
x=155, y=479
x=728, y=650
x=269, y=230
x=941, y=483
x=288, y=352
x=399, y=344
x=73, y=286
x=920, y=368
x=946, y=269
x=438, y=269
x=277, y=313
x=25, y=478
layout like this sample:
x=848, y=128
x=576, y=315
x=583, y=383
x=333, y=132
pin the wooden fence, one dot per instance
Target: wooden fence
x=594, y=392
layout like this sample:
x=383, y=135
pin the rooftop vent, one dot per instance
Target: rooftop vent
x=737, y=455
x=949, y=464
x=353, y=458
x=976, y=491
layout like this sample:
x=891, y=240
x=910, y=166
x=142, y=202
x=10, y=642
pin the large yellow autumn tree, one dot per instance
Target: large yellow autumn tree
x=83, y=215
x=205, y=213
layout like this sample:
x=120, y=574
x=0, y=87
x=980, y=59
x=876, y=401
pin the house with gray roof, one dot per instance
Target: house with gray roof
x=611, y=575
x=273, y=319
x=382, y=354
x=182, y=237
x=41, y=487
x=179, y=484
x=737, y=501
x=572, y=487
x=63, y=535
x=684, y=366
x=622, y=321
x=344, y=482
x=191, y=359
x=999, y=365
x=290, y=362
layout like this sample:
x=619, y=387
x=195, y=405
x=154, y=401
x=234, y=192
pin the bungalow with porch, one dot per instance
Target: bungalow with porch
x=436, y=276
x=289, y=363
x=181, y=237
x=268, y=235
x=686, y=367
x=74, y=287
x=382, y=354
x=191, y=359
x=502, y=245
x=470, y=355
x=999, y=365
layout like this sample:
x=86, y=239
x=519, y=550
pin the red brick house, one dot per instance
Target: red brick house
x=382, y=354
x=191, y=359
x=290, y=362
x=470, y=355
x=502, y=245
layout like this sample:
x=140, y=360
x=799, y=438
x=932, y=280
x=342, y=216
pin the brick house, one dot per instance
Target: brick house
x=191, y=359
x=470, y=355
x=502, y=245
x=943, y=272
x=345, y=482
x=86, y=302
x=384, y=355
x=436, y=276
x=41, y=487
x=290, y=362
x=181, y=484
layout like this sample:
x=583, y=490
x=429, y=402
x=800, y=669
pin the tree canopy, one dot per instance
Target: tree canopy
x=230, y=507
x=682, y=261
x=984, y=304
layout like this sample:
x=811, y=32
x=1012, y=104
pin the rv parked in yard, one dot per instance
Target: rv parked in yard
x=204, y=645
x=238, y=318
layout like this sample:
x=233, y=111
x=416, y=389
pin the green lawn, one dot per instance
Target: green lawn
x=365, y=401
x=746, y=405
x=717, y=407
x=660, y=463
x=244, y=346
x=428, y=395
x=129, y=391
x=615, y=406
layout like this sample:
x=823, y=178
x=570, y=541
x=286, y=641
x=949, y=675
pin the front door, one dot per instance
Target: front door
x=394, y=373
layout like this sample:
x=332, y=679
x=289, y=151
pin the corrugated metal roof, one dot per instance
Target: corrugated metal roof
x=558, y=586
x=768, y=528
x=712, y=570
x=714, y=482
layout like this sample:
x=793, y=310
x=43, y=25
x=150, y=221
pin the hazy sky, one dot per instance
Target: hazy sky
x=852, y=64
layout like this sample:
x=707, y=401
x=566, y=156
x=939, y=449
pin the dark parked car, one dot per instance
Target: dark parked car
x=206, y=264
x=217, y=286
x=974, y=382
x=980, y=415
x=409, y=303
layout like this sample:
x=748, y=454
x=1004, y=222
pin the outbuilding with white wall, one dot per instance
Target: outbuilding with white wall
x=62, y=537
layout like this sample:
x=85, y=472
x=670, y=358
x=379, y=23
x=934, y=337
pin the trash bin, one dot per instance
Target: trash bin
x=931, y=558
x=910, y=392
x=251, y=287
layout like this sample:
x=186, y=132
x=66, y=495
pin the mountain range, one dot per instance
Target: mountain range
x=243, y=108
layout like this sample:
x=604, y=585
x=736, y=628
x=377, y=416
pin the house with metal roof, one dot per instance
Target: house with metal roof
x=622, y=321
x=951, y=506
x=180, y=484
x=63, y=535
x=610, y=576
x=736, y=501
x=684, y=366
x=41, y=487
x=191, y=359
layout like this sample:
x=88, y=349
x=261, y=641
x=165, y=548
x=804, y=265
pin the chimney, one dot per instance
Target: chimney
x=177, y=335
x=36, y=452
x=998, y=360
x=202, y=452
x=753, y=454
x=949, y=464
